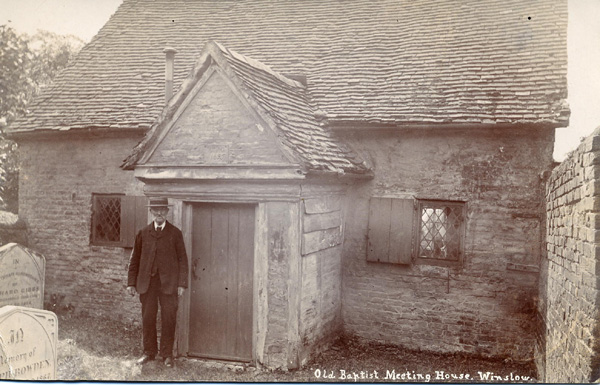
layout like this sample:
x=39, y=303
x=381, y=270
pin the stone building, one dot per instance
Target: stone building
x=372, y=168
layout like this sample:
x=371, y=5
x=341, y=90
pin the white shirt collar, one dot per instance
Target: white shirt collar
x=162, y=227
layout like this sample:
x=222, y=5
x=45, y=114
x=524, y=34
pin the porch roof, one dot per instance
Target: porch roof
x=282, y=102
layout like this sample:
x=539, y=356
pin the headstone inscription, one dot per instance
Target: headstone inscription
x=22, y=275
x=28, y=339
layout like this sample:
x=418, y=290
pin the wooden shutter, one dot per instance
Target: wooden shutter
x=401, y=231
x=390, y=230
x=127, y=220
x=134, y=216
x=379, y=230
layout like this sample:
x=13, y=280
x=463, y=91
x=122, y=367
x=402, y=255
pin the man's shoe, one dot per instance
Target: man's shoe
x=145, y=358
x=169, y=362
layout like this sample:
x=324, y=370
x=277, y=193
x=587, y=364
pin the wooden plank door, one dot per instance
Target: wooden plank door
x=221, y=302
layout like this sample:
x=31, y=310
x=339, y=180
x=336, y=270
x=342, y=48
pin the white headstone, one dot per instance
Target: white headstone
x=22, y=275
x=28, y=340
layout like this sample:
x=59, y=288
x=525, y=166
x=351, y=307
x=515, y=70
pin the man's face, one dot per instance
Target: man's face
x=159, y=214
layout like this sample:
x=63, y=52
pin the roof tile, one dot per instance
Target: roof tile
x=388, y=61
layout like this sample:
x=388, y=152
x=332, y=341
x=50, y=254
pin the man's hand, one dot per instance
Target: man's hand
x=131, y=290
x=180, y=291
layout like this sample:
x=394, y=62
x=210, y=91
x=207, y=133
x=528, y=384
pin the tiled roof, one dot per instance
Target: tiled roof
x=375, y=61
x=281, y=100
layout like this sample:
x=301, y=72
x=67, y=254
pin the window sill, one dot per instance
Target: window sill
x=438, y=262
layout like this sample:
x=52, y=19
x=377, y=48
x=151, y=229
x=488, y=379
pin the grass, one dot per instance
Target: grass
x=93, y=349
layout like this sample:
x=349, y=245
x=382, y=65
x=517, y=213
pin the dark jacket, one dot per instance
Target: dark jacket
x=168, y=249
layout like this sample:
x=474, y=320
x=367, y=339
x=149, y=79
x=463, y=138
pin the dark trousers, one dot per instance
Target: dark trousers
x=168, y=316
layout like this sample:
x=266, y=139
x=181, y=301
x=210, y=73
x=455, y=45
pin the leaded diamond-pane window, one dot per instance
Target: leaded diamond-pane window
x=116, y=219
x=106, y=220
x=441, y=230
x=108, y=227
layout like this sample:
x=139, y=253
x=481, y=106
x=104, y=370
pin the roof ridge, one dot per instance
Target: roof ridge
x=257, y=64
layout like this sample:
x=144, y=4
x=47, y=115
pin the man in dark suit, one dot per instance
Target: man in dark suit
x=158, y=271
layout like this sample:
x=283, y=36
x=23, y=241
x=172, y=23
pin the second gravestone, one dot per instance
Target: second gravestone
x=21, y=277
x=28, y=339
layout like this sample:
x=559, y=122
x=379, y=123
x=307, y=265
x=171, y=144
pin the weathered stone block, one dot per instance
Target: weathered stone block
x=589, y=204
x=592, y=188
x=589, y=144
x=591, y=158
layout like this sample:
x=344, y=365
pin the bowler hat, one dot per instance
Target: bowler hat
x=158, y=202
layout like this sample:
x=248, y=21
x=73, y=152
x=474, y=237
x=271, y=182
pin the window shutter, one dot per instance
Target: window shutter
x=127, y=220
x=379, y=230
x=390, y=232
x=401, y=231
x=134, y=218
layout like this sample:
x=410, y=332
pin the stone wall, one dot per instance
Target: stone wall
x=485, y=306
x=57, y=179
x=571, y=294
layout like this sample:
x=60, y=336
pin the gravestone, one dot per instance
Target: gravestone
x=28, y=339
x=21, y=277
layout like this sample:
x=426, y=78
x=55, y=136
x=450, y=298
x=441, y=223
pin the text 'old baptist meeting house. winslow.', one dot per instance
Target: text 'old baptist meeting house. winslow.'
x=371, y=168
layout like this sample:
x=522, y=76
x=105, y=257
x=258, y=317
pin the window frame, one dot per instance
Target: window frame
x=95, y=212
x=134, y=216
x=396, y=239
x=418, y=223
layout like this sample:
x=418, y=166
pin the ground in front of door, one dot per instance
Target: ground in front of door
x=108, y=350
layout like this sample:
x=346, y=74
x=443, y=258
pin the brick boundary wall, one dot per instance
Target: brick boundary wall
x=571, y=299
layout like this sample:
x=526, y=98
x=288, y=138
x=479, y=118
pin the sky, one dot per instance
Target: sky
x=583, y=75
x=84, y=18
